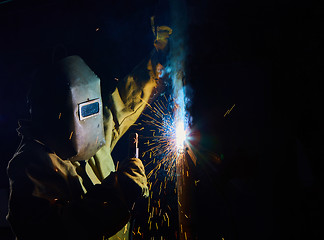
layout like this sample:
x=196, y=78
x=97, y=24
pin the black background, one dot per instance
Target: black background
x=266, y=57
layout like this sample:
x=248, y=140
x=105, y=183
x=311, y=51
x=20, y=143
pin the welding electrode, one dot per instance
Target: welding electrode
x=133, y=150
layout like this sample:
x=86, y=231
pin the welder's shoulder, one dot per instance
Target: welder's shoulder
x=28, y=154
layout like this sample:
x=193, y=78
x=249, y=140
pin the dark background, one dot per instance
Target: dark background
x=260, y=167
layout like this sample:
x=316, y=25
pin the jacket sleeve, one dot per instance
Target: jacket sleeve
x=39, y=209
x=131, y=96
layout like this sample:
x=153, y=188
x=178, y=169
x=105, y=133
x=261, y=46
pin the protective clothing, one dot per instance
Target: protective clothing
x=52, y=198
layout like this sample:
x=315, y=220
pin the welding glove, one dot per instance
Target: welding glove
x=131, y=179
x=161, y=42
x=162, y=38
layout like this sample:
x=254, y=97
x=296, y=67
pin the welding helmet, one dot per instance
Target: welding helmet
x=66, y=109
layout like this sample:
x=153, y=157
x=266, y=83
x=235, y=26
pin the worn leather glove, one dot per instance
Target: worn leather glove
x=132, y=180
x=162, y=34
x=162, y=37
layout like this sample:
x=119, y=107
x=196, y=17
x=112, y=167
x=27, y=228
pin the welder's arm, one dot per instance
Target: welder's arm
x=131, y=96
x=136, y=90
x=103, y=211
x=130, y=181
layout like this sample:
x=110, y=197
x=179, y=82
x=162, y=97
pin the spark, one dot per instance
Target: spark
x=168, y=219
x=71, y=135
x=229, y=110
x=196, y=182
x=117, y=165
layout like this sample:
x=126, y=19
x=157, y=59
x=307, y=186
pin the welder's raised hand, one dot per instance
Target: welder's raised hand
x=132, y=180
x=161, y=42
x=162, y=37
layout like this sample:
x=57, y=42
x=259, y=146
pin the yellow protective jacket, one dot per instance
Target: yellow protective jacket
x=52, y=198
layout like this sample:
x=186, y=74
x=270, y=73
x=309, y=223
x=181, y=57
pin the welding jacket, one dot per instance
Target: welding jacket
x=52, y=198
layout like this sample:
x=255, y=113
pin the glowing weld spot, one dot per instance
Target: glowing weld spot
x=180, y=135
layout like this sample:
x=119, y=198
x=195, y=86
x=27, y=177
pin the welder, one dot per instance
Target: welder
x=63, y=180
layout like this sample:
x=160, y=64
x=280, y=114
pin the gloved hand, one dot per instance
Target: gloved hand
x=162, y=37
x=132, y=180
x=162, y=34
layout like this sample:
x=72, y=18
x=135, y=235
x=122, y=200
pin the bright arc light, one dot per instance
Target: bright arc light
x=180, y=135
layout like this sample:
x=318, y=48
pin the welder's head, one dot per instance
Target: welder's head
x=66, y=109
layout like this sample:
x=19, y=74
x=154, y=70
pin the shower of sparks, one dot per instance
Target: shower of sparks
x=163, y=137
x=168, y=134
x=164, y=129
